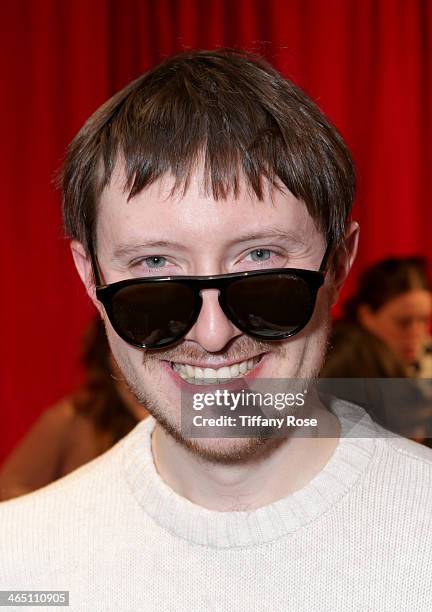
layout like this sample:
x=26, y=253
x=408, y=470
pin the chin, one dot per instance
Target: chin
x=225, y=451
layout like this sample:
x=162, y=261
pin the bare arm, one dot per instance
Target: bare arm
x=37, y=459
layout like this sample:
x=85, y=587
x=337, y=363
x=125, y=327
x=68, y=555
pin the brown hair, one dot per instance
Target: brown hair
x=229, y=109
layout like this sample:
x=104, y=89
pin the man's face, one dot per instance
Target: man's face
x=158, y=234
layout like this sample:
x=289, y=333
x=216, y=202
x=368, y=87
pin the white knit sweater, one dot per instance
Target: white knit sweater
x=357, y=537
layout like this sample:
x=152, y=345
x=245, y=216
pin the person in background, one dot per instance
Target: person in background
x=384, y=333
x=385, y=327
x=77, y=429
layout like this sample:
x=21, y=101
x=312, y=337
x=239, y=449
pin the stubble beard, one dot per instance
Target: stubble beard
x=223, y=451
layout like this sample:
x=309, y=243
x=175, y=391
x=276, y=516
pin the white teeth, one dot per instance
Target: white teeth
x=223, y=373
x=208, y=375
x=234, y=370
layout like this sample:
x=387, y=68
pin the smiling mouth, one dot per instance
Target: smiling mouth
x=209, y=376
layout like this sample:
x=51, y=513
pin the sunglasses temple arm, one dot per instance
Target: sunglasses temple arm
x=326, y=256
x=95, y=266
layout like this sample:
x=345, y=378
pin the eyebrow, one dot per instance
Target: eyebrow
x=127, y=250
x=130, y=249
x=271, y=232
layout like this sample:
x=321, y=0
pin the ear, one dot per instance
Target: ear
x=84, y=269
x=343, y=258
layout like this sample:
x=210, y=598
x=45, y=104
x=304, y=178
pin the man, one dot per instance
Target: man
x=224, y=182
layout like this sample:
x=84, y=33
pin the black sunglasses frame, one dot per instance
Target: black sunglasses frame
x=106, y=292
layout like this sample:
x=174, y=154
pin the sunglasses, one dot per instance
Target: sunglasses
x=157, y=312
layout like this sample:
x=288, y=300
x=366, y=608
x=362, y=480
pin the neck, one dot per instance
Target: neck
x=252, y=484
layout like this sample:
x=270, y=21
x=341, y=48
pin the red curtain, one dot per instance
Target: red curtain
x=366, y=62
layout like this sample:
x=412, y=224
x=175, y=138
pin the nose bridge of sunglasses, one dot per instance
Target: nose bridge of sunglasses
x=212, y=289
x=209, y=295
x=211, y=292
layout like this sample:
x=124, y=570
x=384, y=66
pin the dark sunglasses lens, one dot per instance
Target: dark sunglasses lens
x=271, y=306
x=153, y=314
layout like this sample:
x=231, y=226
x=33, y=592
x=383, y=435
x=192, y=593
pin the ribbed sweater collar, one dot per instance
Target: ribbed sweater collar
x=248, y=528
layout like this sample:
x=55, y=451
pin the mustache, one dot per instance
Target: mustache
x=239, y=349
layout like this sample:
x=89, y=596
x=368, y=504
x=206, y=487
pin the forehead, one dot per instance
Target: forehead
x=194, y=218
x=416, y=301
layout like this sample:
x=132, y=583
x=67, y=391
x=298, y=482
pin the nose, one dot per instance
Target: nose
x=213, y=330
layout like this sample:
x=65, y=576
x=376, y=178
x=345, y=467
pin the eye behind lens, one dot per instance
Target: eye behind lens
x=270, y=306
x=153, y=314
